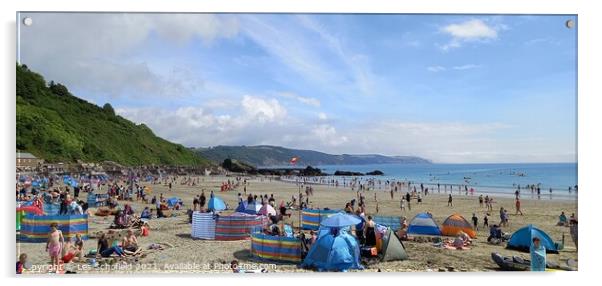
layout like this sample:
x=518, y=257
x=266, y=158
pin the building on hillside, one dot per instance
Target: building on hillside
x=28, y=161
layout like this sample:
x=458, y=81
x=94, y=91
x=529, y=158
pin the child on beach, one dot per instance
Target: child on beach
x=54, y=245
x=450, y=201
x=402, y=204
x=21, y=263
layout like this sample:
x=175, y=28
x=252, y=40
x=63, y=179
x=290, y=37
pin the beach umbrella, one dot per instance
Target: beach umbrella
x=216, y=204
x=340, y=220
x=267, y=210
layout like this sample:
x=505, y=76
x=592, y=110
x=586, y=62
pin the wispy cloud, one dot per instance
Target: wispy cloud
x=466, y=67
x=354, y=62
x=302, y=99
x=537, y=41
x=436, y=68
x=457, y=68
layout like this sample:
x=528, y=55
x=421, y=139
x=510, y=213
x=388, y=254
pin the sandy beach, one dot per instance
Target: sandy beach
x=184, y=254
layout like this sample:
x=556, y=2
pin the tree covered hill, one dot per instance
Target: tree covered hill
x=55, y=125
x=265, y=155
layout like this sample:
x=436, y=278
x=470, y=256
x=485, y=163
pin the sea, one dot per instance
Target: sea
x=500, y=179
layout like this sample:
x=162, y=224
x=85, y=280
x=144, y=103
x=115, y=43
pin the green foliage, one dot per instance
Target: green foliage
x=108, y=109
x=55, y=125
x=264, y=155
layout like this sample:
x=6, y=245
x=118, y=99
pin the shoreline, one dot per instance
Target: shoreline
x=481, y=191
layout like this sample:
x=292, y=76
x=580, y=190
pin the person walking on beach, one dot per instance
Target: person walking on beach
x=450, y=201
x=475, y=221
x=481, y=200
x=485, y=221
x=517, y=205
x=408, y=199
x=402, y=204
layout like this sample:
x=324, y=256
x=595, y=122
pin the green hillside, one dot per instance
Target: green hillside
x=55, y=125
x=265, y=155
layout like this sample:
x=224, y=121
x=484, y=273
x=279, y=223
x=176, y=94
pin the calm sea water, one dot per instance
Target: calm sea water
x=485, y=178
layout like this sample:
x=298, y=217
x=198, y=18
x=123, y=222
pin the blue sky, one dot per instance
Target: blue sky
x=451, y=88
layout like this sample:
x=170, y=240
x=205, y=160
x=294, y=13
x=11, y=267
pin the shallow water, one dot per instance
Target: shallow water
x=484, y=178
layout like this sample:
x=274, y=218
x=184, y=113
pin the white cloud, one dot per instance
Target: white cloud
x=200, y=126
x=254, y=121
x=98, y=52
x=328, y=134
x=322, y=116
x=258, y=121
x=436, y=68
x=470, y=31
x=263, y=110
x=458, y=68
x=305, y=100
x=466, y=67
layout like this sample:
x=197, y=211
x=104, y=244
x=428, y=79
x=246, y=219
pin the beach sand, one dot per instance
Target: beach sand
x=190, y=255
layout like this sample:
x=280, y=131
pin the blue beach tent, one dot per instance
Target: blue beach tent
x=334, y=252
x=423, y=224
x=253, y=208
x=216, y=204
x=241, y=207
x=523, y=238
x=171, y=202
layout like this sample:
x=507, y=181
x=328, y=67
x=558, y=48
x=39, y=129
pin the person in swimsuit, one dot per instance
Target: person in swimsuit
x=105, y=250
x=202, y=200
x=370, y=234
x=54, y=245
x=70, y=253
x=130, y=242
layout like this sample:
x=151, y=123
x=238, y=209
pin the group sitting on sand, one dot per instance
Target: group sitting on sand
x=109, y=244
